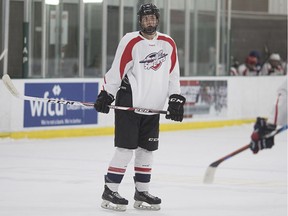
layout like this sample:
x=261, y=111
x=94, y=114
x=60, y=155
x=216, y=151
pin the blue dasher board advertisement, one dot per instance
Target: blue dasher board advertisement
x=43, y=114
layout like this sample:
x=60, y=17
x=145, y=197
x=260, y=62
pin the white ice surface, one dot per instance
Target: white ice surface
x=64, y=177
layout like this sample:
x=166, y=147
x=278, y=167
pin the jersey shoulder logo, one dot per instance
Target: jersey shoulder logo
x=154, y=60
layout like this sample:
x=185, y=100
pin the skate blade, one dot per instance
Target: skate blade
x=145, y=206
x=111, y=206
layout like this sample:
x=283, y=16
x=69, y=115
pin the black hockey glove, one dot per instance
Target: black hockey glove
x=261, y=128
x=103, y=100
x=175, y=108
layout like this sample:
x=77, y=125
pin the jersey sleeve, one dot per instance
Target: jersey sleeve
x=174, y=77
x=279, y=111
x=113, y=77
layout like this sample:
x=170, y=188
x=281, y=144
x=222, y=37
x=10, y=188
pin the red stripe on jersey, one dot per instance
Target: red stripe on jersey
x=104, y=83
x=127, y=54
x=115, y=169
x=173, y=55
x=142, y=169
x=245, y=72
x=276, y=110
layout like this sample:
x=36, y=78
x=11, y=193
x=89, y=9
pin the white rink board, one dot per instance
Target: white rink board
x=248, y=97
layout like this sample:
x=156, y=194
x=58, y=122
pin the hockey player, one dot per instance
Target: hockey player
x=265, y=126
x=274, y=66
x=145, y=71
x=249, y=68
x=234, y=68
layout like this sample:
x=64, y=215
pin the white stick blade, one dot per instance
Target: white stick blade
x=9, y=85
x=12, y=89
x=209, y=175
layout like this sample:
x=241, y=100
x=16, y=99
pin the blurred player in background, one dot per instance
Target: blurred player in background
x=274, y=66
x=251, y=65
x=234, y=67
x=265, y=126
x=145, y=71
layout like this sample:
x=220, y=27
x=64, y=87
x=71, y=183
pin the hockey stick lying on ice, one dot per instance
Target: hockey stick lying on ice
x=210, y=172
x=12, y=89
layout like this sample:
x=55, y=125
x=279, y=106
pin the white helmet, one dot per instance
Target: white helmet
x=275, y=57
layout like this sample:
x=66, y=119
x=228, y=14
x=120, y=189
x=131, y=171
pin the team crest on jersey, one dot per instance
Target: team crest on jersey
x=154, y=60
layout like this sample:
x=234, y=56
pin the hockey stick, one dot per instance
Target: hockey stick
x=267, y=54
x=3, y=54
x=137, y=109
x=12, y=89
x=210, y=172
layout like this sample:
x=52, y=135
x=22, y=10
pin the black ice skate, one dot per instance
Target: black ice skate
x=145, y=201
x=113, y=201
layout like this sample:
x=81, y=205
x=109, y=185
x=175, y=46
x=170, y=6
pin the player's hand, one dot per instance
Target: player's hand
x=103, y=100
x=261, y=128
x=175, y=108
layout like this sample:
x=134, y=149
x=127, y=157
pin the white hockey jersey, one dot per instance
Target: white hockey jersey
x=243, y=70
x=268, y=70
x=279, y=111
x=151, y=66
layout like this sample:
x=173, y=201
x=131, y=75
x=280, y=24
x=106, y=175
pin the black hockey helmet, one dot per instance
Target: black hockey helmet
x=148, y=9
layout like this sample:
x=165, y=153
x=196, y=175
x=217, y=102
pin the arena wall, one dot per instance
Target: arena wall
x=211, y=102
